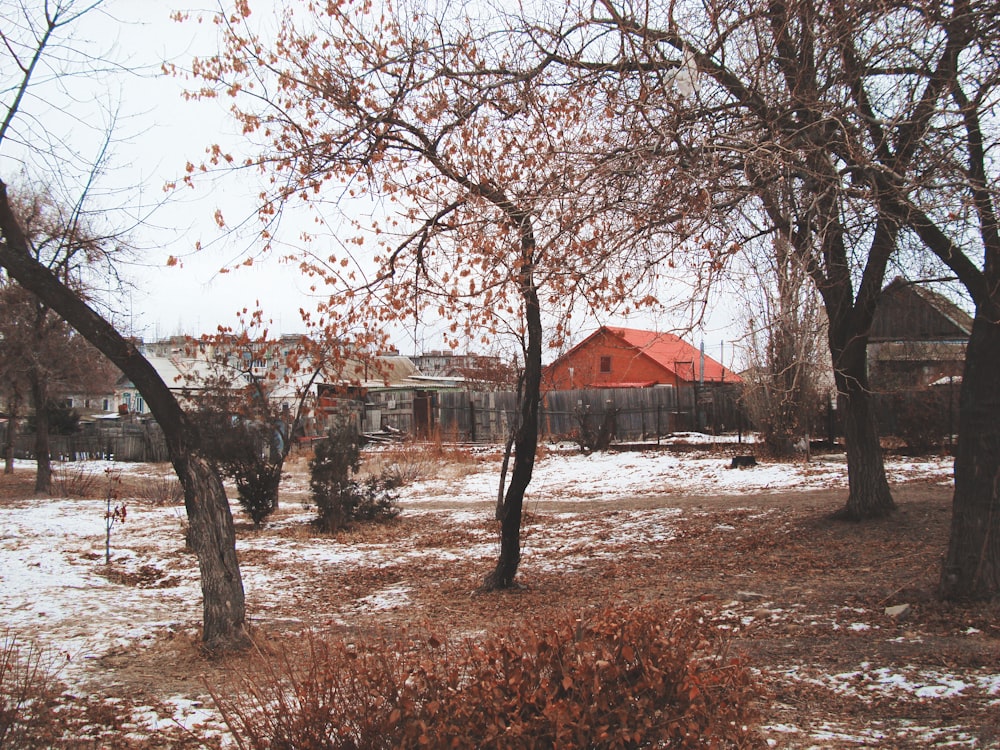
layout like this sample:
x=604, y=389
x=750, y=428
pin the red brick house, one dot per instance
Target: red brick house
x=614, y=357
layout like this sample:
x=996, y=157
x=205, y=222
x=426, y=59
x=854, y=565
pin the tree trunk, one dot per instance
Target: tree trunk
x=8, y=449
x=213, y=538
x=525, y=445
x=11, y=434
x=211, y=532
x=43, y=461
x=849, y=323
x=868, y=494
x=971, y=567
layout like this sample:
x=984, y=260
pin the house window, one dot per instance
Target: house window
x=605, y=364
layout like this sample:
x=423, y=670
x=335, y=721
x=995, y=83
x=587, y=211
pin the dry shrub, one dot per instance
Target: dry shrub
x=78, y=482
x=922, y=418
x=37, y=712
x=160, y=491
x=621, y=678
x=27, y=693
x=413, y=462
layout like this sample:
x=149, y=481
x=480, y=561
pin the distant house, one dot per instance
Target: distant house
x=614, y=357
x=918, y=338
x=387, y=390
x=128, y=400
x=481, y=369
x=86, y=404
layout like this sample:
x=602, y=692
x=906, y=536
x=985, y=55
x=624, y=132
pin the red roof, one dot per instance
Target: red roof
x=674, y=354
x=626, y=384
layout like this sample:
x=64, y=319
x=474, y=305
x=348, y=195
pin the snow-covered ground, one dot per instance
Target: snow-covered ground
x=564, y=474
x=56, y=592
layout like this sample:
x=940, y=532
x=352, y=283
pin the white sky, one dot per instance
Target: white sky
x=157, y=132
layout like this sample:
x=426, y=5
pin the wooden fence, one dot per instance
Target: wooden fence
x=921, y=418
x=146, y=444
x=634, y=413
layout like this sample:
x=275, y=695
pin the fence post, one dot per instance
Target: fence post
x=472, y=419
x=830, y=427
x=951, y=414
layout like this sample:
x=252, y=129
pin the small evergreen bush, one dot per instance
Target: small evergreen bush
x=238, y=448
x=257, y=483
x=339, y=497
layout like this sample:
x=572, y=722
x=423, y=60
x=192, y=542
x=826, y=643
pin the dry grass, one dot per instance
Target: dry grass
x=414, y=462
x=158, y=490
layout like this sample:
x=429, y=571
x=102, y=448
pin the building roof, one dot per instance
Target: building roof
x=165, y=367
x=948, y=309
x=666, y=350
x=675, y=354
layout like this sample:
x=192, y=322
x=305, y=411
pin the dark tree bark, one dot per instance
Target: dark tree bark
x=43, y=459
x=972, y=565
x=212, y=536
x=509, y=514
x=868, y=490
x=850, y=319
x=211, y=533
x=8, y=447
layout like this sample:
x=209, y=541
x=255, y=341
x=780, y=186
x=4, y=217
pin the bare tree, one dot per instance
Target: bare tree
x=211, y=533
x=796, y=118
x=949, y=200
x=63, y=242
x=14, y=354
x=453, y=126
x=43, y=359
x=877, y=121
x=787, y=358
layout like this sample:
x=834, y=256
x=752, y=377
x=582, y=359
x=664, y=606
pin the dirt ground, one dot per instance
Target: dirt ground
x=803, y=597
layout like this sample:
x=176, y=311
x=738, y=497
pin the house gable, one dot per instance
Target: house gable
x=626, y=357
x=676, y=355
x=917, y=338
x=910, y=312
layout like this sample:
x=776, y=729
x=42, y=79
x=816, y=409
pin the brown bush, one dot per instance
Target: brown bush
x=412, y=462
x=75, y=481
x=160, y=491
x=621, y=678
x=922, y=417
x=36, y=711
x=27, y=691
